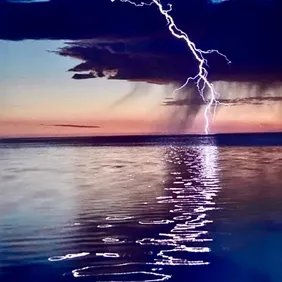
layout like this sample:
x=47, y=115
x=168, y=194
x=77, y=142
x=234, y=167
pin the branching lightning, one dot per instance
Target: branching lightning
x=200, y=79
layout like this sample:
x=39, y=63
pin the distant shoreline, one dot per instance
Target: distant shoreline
x=226, y=139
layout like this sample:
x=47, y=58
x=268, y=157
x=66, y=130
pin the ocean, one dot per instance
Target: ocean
x=169, y=212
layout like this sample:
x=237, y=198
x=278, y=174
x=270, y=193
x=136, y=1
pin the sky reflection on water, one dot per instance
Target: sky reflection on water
x=141, y=213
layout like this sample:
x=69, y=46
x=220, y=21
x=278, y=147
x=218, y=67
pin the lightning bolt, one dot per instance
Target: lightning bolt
x=200, y=79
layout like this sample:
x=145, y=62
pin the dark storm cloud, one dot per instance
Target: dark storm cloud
x=27, y=1
x=131, y=65
x=83, y=75
x=74, y=19
x=72, y=125
x=110, y=36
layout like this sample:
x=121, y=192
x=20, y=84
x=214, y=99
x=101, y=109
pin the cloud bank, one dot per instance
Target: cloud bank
x=120, y=41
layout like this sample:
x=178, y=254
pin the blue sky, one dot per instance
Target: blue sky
x=20, y=58
x=36, y=88
x=28, y=72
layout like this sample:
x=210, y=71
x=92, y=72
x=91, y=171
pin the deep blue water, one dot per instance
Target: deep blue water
x=175, y=213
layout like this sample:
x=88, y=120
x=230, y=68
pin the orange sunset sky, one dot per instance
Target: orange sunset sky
x=37, y=95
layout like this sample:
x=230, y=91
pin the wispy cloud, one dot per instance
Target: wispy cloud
x=229, y=102
x=251, y=101
x=73, y=125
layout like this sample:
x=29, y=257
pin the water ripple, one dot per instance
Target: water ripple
x=119, y=218
x=162, y=221
x=104, y=226
x=68, y=256
x=108, y=255
x=113, y=240
x=190, y=199
x=121, y=272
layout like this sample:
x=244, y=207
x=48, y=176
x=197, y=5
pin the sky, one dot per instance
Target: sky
x=92, y=75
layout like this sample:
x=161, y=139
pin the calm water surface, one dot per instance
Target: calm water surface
x=176, y=213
